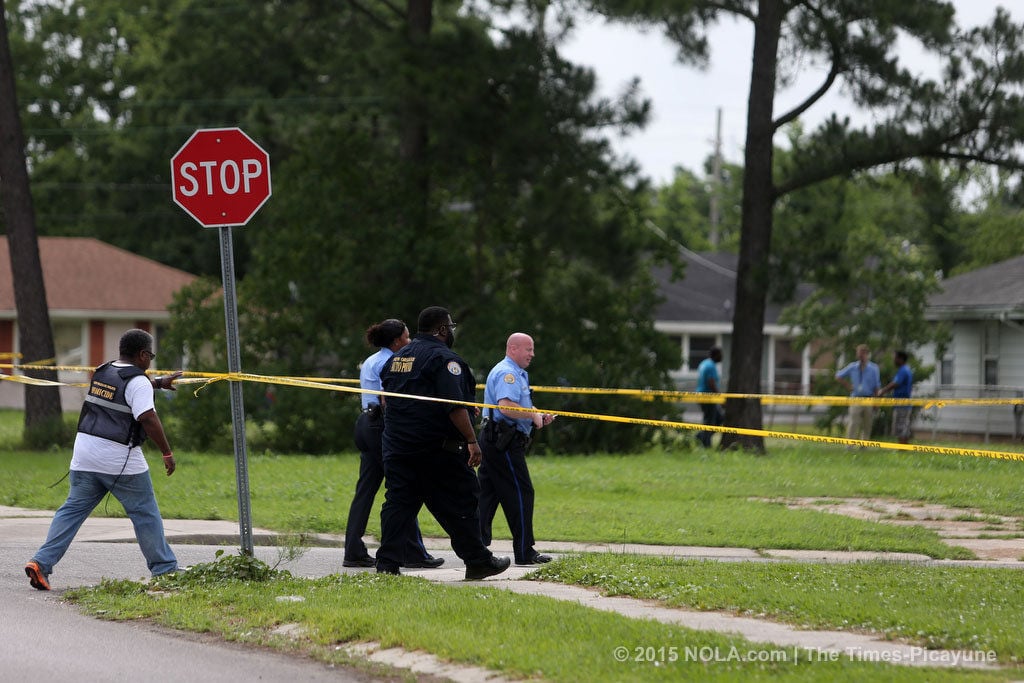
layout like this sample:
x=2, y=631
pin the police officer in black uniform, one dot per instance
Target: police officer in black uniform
x=430, y=448
x=388, y=336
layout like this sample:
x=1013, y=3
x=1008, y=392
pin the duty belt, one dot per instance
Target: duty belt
x=503, y=434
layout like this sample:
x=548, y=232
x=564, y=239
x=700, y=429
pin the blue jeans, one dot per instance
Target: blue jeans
x=135, y=492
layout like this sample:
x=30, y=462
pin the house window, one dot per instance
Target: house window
x=991, y=372
x=67, y=342
x=788, y=367
x=699, y=348
x=677, y=339
x=946, y=371
x=990, y=358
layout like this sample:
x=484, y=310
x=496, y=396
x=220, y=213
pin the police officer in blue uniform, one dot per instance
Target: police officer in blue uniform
x=504, y=439
x=430, y=448
x=388, y=336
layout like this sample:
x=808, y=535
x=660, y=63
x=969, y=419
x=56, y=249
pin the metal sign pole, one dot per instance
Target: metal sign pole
x=227, y=266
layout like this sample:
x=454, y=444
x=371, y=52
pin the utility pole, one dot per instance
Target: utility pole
x=716, y=182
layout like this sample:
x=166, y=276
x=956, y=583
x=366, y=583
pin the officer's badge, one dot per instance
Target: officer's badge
x=509, y=378
x=454, y=367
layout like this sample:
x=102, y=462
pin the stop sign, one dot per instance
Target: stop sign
x=220, y=177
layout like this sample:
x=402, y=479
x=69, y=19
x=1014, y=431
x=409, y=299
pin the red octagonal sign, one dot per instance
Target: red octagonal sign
x=220, y=177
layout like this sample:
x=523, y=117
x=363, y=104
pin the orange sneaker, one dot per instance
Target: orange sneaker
x=36, y=577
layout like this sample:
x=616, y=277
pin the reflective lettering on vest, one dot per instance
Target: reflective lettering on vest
x=402, y=364
x=101, y=390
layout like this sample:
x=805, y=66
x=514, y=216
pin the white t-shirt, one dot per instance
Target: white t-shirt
x=96, y=454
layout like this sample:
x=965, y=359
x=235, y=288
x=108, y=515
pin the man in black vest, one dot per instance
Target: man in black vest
x=430, y=448
x=117, y=416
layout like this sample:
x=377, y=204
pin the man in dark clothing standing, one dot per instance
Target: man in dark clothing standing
x=430, y=448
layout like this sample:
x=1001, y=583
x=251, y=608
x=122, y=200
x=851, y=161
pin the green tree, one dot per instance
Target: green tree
x=461, y=166
x=114, y=87
x=994, y=230
x=862, y=244
x=971, y=116
x=530, y=228
x=682, y=209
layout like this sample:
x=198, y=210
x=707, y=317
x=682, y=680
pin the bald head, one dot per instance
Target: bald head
x=519, y=348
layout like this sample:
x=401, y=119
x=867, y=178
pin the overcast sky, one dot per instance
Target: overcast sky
x=685, y=100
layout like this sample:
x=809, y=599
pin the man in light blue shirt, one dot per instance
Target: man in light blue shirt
x=503, y=475
x=863, y=380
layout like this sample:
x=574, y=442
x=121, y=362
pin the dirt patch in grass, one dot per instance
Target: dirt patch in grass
x=990, y=537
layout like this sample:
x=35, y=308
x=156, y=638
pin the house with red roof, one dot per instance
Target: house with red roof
x=95, y=291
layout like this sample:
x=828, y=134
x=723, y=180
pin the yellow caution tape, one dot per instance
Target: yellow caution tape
x=35, y=381
x=669, y=424
x=1002, y=455
x=332, y=384
x=778, y=399
x=645, y=394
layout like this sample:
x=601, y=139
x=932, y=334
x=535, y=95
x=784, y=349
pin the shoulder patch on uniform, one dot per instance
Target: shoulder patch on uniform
x=509, y=378
x=454, y=367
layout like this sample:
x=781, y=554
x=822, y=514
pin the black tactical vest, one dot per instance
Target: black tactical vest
x=105, y=412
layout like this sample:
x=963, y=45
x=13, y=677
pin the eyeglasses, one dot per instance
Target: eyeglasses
x=151, y=354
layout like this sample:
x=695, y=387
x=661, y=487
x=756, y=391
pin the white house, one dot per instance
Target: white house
x=697, y=314
x=985, y=359
x=95, y=292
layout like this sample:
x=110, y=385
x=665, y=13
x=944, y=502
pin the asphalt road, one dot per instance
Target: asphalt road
x=45, y=640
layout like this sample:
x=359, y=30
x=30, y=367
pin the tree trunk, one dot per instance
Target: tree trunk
x=756, y=233
x=42, y=404
x=419, y=19
x=414, y=134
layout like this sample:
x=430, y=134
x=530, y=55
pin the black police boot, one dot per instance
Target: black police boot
x=493, y=565
x=428, y=562
x=534, y=558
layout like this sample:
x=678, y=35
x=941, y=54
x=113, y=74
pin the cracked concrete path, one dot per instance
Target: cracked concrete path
x=22, y=530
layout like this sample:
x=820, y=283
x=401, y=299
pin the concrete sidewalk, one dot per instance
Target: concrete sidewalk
x=24, y=525
x=196, y=541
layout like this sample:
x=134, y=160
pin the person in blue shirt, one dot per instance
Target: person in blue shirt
x=388, y=336
x=707, y=383
x=504, y=439
x=901, y=386
x=862, y=379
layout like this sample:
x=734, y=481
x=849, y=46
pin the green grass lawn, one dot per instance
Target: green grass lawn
x=519, y=635
x=685, y=498
x=660, y=497
x=936, y=607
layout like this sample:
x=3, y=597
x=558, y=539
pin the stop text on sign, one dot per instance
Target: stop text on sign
x=230, y=178
x=220, y=177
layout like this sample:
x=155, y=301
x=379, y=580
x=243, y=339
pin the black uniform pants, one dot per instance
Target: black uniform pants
x=505, y=480
x=371, y=475
x=443, y=482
